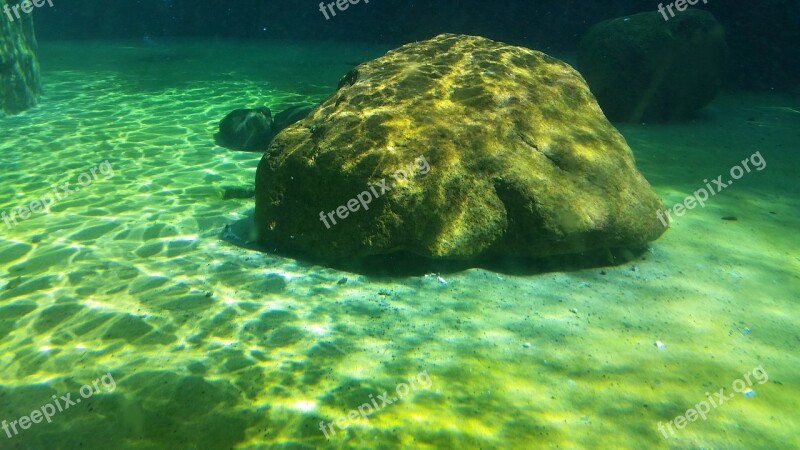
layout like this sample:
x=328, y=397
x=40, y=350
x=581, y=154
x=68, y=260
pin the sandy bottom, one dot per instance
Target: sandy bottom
x=188, y=341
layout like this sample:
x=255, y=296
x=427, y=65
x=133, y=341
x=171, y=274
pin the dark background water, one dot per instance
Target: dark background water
x=764, y=36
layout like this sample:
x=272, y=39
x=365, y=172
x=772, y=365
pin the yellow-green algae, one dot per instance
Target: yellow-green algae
x=252, y=366
x=522, y=161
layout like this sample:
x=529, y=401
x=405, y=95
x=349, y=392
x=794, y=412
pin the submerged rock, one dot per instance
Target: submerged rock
x=19, y=66
x=246, y=129
x=290, y=116
x=642, y=67
x=237, y=192
x=520, y=161
x=253, y=129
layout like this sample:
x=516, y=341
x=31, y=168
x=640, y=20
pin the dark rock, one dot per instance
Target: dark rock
x=518, y=161
x=642, y=67
x=238, y=192
x=19, y=66
x=246, y=129
x=290, y=116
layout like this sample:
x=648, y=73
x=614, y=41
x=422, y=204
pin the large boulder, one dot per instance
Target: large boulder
x=20, y=83
x=643, y=67
x=486, y=149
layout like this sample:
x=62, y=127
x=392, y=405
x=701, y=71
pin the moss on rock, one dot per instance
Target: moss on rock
x=522, y=162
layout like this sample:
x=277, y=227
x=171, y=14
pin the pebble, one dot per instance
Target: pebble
x=526, y=345
x=660, y=345
x=441, y=280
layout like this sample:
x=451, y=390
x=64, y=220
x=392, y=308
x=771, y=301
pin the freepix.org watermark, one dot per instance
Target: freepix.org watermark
x=363, y=199
x=701, y=195
x=341, y=5
x=42, y=205
x=61, y=404
x=365, y=410
x=703, y=408
x=680, y=5
x=26, y=6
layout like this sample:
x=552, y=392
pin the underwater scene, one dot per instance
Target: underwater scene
x=390, y=224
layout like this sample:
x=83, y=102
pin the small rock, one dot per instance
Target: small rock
x=290, y=116
x=238, y=192
x=246, y=129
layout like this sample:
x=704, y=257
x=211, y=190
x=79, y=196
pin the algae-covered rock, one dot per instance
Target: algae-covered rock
x=643, y=67
x=19, y=66
x=487, y=149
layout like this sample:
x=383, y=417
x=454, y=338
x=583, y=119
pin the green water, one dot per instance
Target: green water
x=193, y=342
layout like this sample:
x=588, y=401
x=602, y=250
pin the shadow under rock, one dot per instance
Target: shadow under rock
x=403, y=264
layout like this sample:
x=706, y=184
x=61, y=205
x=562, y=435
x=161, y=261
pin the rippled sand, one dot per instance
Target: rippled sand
x=213, y=346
